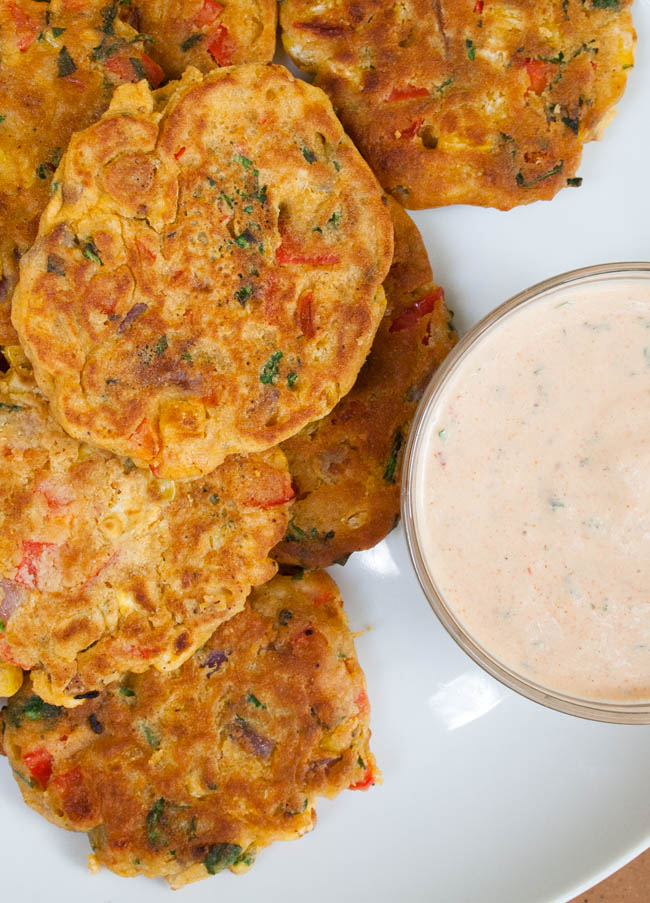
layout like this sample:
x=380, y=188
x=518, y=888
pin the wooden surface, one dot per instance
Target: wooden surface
x=630, y=885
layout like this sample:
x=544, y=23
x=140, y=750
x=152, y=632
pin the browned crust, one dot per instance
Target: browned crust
x=114, y=570
x=346, y=468
x=463, y=102
x=221, y=269
x=233, y=748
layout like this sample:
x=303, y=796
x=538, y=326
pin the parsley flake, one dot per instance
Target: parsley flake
x=271, y=369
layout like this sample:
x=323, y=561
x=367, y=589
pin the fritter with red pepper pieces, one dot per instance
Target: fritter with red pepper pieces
x=205, y=33
x=185, y=774
x=104, y=568
x=346, y=468
x=467, y=101
x=59, y=64
x=207, y=279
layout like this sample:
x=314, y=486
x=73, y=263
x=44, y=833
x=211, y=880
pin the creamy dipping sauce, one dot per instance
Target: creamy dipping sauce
x=531, y=490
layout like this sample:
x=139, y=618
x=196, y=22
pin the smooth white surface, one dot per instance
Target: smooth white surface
x=487, y=797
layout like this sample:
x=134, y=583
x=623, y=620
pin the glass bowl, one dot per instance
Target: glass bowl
x=616, y=712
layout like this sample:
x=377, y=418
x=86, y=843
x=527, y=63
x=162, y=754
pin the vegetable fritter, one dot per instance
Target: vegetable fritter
x=346, y=468
x=104, y=568
x=463, y=102
x=59, y=64
x=207, y=277
x=188, y=773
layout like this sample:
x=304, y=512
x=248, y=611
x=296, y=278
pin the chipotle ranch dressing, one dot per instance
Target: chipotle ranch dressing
x=531, y=490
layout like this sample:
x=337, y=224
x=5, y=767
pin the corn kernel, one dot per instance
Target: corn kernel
x=85, y=451
x=17, y=359
x=11, y=679
x=166, y=490
x=181, y=420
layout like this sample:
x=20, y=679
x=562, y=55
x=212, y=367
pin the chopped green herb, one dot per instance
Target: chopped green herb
x=309, y=155
x=66, y=65
x=294, y=534
x=391, y=466
x=471, y=50
x=10, y=407
x=334, y=220
x=336, y=165
x=317, y=229
x=2, y=117
x=54, y=187
x=224, y=197
x=245, y=162
x=243, y=294
x=35, y=709
x=108, y=14
x=128, y=466
x=555, y=503
x=192, y=41
x=161, y=346
x=271, y=369
x=291, y=379
x=138, y=68
x=558, y=59
x=247, y=858
x=246, y=239
x=125, y=691
x=104, y=50
x=2, y=626
x=605, y=4
x=42, y=170
x=156, y=822
x=57, y=32
x=442, y=433
x=253, y=700
x=360, y=762
x=186, y=356
x=91, y=252
x=152, y=739
x=248, y=208
x=441, y=87
x=571, y=123
x=220, y=856
x=552, y=172
x=574, y=183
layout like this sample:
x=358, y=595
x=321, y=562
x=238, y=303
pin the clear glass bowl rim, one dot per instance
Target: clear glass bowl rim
x=596, y=710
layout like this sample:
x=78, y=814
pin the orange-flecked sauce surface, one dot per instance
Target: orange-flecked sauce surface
x=532, y=490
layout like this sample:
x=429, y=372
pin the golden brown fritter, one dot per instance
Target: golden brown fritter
x=104, y=568
x=205, y=33
x=213, y=761
x=59, y=64
x=346, y=468
x=207, y=279
x=467, y=101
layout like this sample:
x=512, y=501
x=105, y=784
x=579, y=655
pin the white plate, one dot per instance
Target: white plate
x=487, y=797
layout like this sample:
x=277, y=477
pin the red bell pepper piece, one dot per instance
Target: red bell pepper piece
x=27, y=572
x=39, y=762
x=208, y=13
x=407, y=93
x=416, y=311
x=221, y=47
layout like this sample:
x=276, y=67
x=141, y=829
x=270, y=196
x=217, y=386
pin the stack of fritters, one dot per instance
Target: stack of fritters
x=218, y=339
